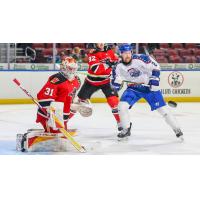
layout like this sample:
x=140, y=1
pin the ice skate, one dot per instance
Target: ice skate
x=119, y=126
x=125, y=133
x=179, y=134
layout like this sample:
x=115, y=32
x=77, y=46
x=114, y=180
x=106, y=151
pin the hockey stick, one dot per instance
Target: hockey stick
x=61, y=127
x=136, y=83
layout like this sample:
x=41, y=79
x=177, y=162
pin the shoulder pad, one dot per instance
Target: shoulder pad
x=57, y=78
x=145, y=58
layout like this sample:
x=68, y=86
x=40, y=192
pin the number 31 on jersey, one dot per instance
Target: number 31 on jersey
x=49, y=92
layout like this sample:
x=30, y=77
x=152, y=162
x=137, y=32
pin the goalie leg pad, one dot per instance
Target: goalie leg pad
x=36, y=141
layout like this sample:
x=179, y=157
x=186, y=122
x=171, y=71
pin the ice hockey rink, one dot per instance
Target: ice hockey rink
x=98, y=133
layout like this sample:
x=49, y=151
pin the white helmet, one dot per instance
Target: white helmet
x=69, y=67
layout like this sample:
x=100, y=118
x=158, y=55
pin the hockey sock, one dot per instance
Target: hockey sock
x=113, y=103
x=169, y=118
x=72, y=113
x=124, y=114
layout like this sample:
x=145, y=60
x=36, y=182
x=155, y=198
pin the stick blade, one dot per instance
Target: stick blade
x=83, y=149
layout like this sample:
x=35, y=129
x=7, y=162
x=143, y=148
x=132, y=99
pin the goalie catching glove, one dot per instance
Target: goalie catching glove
x=83, y=107
x=56, y=108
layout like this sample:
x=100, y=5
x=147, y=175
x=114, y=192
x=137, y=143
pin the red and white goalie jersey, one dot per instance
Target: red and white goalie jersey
x=59, y=89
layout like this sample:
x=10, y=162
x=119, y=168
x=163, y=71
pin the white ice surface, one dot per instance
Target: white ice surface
x=150, y=133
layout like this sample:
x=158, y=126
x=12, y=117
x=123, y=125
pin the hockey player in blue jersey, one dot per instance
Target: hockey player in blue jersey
x=142, y=73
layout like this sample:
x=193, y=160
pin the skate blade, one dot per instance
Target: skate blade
x=181, y=139
x=122, y=139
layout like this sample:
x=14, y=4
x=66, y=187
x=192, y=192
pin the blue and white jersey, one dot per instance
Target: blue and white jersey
x=141, y=70
x=138, y=71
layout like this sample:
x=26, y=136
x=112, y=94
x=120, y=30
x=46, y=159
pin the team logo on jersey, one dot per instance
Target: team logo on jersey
x=134, y=72
x=55, y=80
x=175, y=79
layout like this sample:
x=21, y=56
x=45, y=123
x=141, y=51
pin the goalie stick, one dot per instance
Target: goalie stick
x=61, y=127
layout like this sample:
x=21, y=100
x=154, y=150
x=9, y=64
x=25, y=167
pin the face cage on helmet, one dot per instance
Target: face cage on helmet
x=69, y=71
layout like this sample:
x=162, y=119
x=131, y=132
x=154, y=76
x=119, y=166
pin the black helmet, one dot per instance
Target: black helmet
x=91, y=46
x=94, y=46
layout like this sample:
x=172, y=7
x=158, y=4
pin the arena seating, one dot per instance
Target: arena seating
x=189, y=59
x=177, y=53
x=175, y=59
x=171, y=52
x=164, y=45
x=163, y=53
x=65, y=45
x=198, y=59
x=185, y=52
x=80, y=45
x=38, y=45
x=48, y=51
x=161, y=59
x=159, y=52
x=177, y=45
x=190, y=45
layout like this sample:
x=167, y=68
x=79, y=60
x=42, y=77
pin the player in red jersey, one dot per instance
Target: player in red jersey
x=101, y=59
x=59, y=92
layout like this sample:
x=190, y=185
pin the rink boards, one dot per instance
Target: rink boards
x=180, y=86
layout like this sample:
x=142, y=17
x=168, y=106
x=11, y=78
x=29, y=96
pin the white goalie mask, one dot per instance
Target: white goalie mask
x=69, y=67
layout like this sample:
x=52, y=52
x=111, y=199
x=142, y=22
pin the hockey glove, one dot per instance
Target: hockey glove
x=110, y=63
x=154, y=83
x=154, y=80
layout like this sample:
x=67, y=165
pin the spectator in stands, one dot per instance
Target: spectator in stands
x=76, y=54
x=62, y=55
x=49, y=59
x=153, y=46
x=39, y=57
x=115, y=49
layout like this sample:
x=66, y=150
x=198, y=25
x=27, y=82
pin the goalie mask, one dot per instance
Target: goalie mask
x=69, y=67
